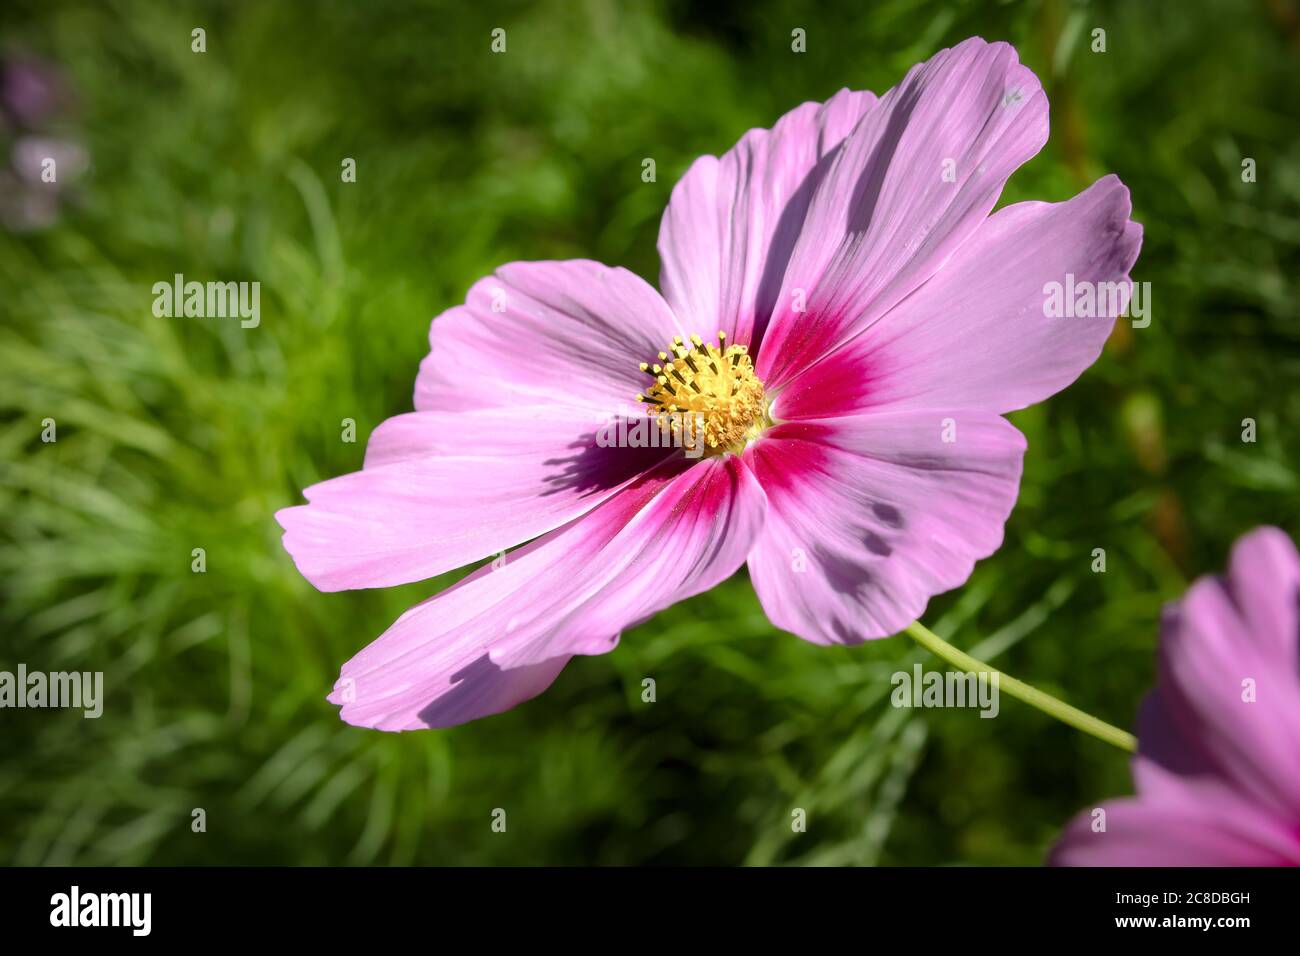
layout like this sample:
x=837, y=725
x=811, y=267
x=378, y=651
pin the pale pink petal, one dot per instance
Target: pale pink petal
x=546, y=333
x=885, y=216
x=443, y=489
x=732, y=221
x=1227, y=702
x=976, y=334
x=1203, y=826
x=870, y=516
x=1264, y=578
x=501, y=635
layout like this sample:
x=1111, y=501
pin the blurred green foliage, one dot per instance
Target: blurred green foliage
x=184, y=433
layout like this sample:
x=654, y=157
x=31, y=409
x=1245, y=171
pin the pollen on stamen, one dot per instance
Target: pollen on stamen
x=715, y=385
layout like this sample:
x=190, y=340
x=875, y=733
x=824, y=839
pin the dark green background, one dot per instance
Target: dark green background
x=184, y=433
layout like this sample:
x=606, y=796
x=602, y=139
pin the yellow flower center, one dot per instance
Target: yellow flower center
x=708, y=389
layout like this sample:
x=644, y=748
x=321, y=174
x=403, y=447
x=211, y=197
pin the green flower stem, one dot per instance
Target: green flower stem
x=1048, y=704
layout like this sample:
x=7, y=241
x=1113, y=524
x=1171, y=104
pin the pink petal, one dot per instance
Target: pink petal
x=1217, y=775
x=883, y=220
x=732, y=222
x=500, y=636
x=443, y=489
x=1200, y=827
x=1199, y=721
x=1264, y=578
x=546, y=333
x=880, y=514
x=976, y=335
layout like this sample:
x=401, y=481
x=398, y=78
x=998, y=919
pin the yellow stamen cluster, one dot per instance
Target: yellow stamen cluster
x=712, y=384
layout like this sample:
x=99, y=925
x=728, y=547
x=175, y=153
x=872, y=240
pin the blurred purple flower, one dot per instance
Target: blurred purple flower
x=30, y=153
x=32, y=92
x=33, y=187
x=1218, y=765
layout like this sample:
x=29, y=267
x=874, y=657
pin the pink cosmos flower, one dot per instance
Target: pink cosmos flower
x=850, y=323
x=1218, y=765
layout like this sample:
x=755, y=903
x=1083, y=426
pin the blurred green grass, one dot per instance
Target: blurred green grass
x=183, y=433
